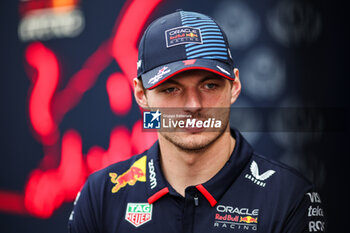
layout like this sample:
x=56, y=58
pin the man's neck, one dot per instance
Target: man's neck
x=187, y=168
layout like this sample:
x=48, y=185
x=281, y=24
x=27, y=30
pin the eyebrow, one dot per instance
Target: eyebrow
x=171, y=81
x=214, y=77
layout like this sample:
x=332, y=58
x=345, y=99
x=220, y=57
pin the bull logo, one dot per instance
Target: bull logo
x=137, y=172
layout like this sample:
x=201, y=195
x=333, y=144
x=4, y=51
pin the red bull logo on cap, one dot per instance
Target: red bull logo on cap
x=183, y=35
x=137, y=172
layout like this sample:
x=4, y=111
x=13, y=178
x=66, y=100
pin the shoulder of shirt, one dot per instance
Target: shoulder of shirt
x=284, y=173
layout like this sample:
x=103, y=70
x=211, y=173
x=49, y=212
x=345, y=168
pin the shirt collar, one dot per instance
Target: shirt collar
x=156, y=184
x=213, y=189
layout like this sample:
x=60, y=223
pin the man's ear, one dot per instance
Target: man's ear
x=236, y=86
x=140, y=94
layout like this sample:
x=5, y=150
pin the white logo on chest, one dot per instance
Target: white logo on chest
x=152, y=174
x=256, y=177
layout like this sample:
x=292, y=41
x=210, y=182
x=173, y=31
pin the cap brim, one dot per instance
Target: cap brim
x=159, y=75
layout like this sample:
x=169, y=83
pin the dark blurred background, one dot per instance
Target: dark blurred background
x=68, y=110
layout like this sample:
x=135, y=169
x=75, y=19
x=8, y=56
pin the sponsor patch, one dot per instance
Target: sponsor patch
x=183, y=35
x=316, y=226
x=230, y=217
x=159, y=75
x=137, y=172
x=152, y=174
x=257, y=178
x=189, y=62
x=248, y=219
x=138, y=213
x=223, y=70
x=315, y=213
x=314, y=197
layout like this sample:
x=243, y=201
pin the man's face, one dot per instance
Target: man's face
x=198, y=93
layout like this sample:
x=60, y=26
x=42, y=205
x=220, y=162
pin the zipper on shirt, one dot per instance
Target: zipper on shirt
x=196, y=200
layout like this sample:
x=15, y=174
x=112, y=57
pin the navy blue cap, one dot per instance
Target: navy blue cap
x=182, y=41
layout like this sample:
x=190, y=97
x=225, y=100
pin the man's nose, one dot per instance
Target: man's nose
x=193, y=101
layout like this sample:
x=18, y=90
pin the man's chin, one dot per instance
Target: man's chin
x=191, y=140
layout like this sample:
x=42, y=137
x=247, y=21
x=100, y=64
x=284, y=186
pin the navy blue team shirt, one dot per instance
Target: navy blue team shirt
x=251, y=193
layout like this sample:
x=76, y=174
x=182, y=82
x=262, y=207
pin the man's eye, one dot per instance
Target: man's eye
x=169, y=90
x=211, y=85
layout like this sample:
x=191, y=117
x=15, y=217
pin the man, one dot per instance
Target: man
x=194, y=178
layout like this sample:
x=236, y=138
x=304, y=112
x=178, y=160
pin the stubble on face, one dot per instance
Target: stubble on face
x=196, y=142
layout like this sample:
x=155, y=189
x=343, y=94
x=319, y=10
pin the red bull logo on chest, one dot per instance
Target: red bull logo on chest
x=238, y=218
x=248, y=219
x=137, y=172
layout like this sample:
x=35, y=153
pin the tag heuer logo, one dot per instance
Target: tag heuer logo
x=138, y=213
